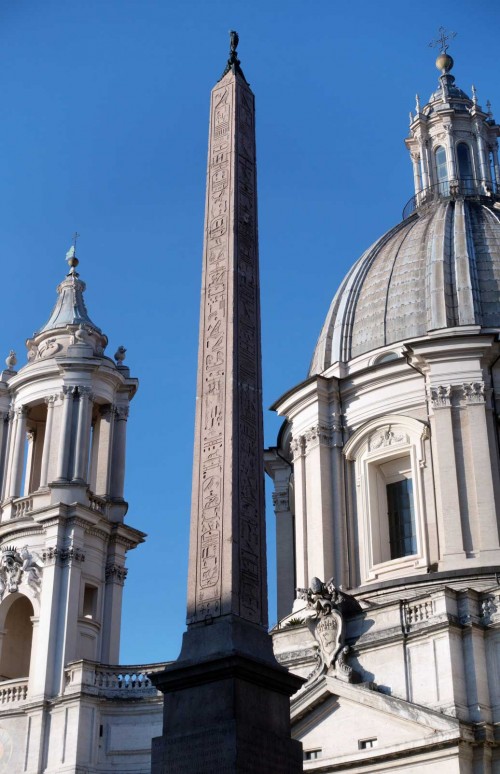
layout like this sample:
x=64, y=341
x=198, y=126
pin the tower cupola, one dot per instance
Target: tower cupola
x=453, y=144
x=69, y=323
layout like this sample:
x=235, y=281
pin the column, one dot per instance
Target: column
x=299, y=478
x=30, y=439
x=320, y=542
x=19, y=436
x=285, y=543
x=450, y=152
x=425, y=164
x=496, y=165
x=445, y=470
x=8, y=449
x=84, y=419
x=65, y=433
x=44, y=470
x=115, y=574
x=417, y=180
x=102, y=451
x=4, y=429
x=481, y=456
x=339, y=510
x=118, y=456
x=482, y=154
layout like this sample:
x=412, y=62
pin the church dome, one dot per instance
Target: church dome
x=439, y=268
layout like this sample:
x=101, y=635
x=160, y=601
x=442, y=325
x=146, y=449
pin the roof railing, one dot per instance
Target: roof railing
x=466, y=188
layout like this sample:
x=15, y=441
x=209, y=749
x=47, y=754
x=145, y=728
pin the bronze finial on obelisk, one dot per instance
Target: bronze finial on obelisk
x=226, y=698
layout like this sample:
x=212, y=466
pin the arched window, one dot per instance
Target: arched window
x=16, y=642
x=465, y=167
x=388, y=457
x=442, y=171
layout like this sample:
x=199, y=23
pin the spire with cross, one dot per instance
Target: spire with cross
x=443, y=39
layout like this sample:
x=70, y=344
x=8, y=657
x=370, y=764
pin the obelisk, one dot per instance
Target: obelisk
x=226, y=698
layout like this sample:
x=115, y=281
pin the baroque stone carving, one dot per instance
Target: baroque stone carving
x=440, y=396
x=319, y=434
x=122, y=412
x=116, y=573
x=48, y=348
x=473, y=392
x=386, y=437
x=326, y=623
x=11, y=360
x=18, y=567
x=281, y=500
x=298, y=446
x=62, y=555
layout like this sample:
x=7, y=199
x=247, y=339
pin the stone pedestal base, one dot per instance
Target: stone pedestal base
x=229, y=715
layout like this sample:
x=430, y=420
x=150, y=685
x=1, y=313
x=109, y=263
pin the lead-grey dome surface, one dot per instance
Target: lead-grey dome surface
x=439, y=268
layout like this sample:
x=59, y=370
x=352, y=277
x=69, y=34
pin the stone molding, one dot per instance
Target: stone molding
x=62, y=556
x=121, y=412
x=473, y=392
x=281, y=499
x=116, y=573
x=440, y=396
x=468, y=392
x=298, y=446
x=317, y=435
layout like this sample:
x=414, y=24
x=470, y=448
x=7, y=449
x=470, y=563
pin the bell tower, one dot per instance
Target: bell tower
x=63, y=539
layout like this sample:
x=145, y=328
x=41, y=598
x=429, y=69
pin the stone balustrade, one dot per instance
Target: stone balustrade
x=13, y=691
x=97, y=504
x=22, y=507
x=419, y=612
x=111, y=680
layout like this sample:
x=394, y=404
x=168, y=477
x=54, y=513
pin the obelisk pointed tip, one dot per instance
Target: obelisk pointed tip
x=233, y=63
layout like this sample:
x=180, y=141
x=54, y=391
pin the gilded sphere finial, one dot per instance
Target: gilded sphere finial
x=444, y=62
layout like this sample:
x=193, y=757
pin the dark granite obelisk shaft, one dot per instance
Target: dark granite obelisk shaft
x=226, y=698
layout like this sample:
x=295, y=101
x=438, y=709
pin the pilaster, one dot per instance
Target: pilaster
x=280, y=470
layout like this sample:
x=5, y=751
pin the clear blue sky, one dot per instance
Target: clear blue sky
x=104, y=130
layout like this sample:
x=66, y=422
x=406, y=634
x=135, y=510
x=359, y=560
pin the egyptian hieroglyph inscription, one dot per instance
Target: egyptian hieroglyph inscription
x=250, y=442
x=229, y=431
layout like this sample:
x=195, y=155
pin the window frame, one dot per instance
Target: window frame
x=373, y=445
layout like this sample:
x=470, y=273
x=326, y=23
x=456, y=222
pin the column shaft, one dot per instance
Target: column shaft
x=81, y=459
x=447, y=494
x=301, y=552
x=44, y=471
x=18, y=453
x=65, y=434
x=119, y=451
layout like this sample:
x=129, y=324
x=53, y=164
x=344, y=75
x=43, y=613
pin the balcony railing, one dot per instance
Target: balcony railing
x=467, y=188
x=13, y=691
x=120, y=682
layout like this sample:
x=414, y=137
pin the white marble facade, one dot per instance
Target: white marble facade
x=403, y=395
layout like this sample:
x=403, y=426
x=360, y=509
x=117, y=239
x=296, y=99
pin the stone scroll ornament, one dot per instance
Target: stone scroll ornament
x=326, y=624
x=18, y=567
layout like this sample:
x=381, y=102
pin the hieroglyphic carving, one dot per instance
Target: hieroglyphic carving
x=213, y=359
x=251, y=502
x=229, y=422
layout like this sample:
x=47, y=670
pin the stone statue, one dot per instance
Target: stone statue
x=17, y=567
x=120, y=355
x=32, y=566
